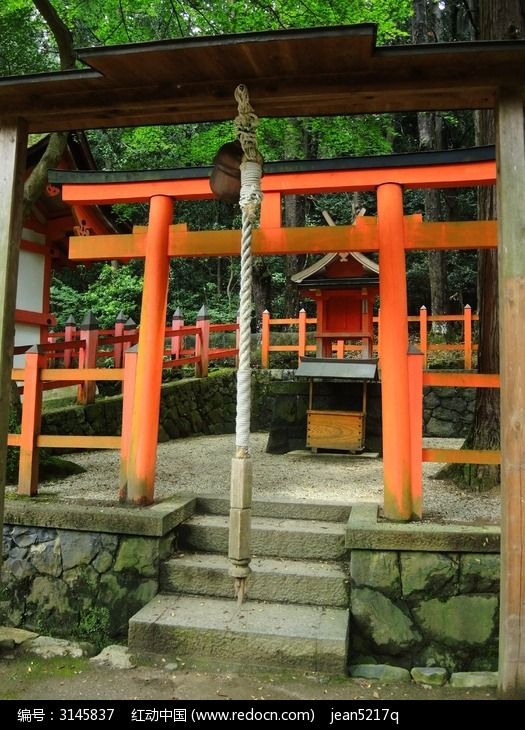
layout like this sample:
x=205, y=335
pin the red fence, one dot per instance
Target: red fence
x=74, y=360
x=300, y=330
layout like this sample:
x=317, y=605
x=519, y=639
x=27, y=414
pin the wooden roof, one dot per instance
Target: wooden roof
x=317, y=71
x=318, y=267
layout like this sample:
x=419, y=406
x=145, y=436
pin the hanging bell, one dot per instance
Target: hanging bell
x=225, y=179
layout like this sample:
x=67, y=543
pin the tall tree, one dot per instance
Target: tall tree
x=497, y=20
x=427, y=25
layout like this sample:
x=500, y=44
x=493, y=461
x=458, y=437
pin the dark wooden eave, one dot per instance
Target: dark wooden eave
x=310, y=72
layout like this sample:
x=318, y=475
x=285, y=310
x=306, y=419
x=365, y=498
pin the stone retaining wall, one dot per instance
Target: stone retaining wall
x=71, y=583
x=425, y=609
x=196, y=406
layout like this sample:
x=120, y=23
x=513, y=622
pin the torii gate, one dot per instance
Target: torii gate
x=391, y=234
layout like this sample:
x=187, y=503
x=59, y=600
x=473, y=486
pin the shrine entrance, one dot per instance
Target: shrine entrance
x=390, y=234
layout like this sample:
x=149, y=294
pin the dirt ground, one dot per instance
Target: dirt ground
x=32, y=678
x=297, y=475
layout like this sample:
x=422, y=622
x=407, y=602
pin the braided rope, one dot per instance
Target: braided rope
x=250, y=200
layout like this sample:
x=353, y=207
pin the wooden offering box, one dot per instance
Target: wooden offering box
x=339, y=428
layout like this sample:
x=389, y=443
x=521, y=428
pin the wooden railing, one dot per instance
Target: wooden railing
x=301, y=331
x=40, y=373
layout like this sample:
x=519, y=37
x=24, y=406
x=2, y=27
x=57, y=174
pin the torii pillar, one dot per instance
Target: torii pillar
x=141, y=463
x=398, y=479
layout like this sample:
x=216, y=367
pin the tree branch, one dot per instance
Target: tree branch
x=37, y=180
x=60, y=31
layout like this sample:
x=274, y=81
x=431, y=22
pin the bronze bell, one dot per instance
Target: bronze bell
x=225, y=179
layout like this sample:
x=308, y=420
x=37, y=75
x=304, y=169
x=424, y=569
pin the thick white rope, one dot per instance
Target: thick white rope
x=249, y=201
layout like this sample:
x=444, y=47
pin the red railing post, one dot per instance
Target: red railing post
x=302, y=332
x=51, y=359
x=31, y=419
x=88, y=357
x=70, y=331
x=177, y=321
x=118, y=347
x=467, y=336
x=423, y=333
x=202, y=343
x=130, y=328
x=415, y=401
x=128, y=395
x=265, y=339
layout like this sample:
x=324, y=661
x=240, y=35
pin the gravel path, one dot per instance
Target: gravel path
x=201, y=465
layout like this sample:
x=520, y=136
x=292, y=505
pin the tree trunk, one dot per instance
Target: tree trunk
x=498, y=20
x=262, y=288
x=427, y=28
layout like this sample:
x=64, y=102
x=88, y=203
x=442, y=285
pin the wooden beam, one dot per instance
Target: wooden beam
x=13, y=145
x=461, y=380
x=462, y=456
x=280, y=241
x=511, y=210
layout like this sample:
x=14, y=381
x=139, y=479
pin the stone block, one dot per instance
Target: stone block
x=78, y=548
x=474, y=679
x=435, y=427
x=479, y=573
x=434, y=676
x=138, y=553
x=376, y=569
x=428, y=574
x=383, y=672
x=47, y=558
x=389, y=629
x=460, y=621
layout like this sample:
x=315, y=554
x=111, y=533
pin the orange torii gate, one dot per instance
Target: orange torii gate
x=391, y=234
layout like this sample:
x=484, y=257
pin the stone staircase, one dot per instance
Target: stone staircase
x=296, y=614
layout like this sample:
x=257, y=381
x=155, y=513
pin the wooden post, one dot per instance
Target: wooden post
x=366, y=326
x=31, y=418
x=146, y=408
x=177, y=321
x=265, y=339
x=302, y=332
x=510, y=151
x=340, y=349
x=128, y=393
x=423, y=333
x=130, y=328
x=51, y=359
x=88, y=357
x=467, y=336
x=415, y=396
x=202, y=343
x=13, y=145
x=118, y=349
x=394, y=353
x=70, y=330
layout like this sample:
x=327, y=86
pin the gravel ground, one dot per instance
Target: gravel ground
x=201, y=466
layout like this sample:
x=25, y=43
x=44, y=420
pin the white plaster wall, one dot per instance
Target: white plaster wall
x=30, y=287
x=25, y=334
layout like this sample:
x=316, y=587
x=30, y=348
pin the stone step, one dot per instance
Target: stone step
x=258, y=635
x=284, y=538
x=284, y=581
x=280, y=508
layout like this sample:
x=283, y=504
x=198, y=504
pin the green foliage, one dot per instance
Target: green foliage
x=113, y=290
x=93, y=626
